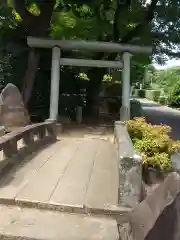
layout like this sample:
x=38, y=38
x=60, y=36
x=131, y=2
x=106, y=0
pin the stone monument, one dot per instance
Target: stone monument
x=13, y=113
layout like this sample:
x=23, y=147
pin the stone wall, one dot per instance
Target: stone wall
x=158, y=216
x=130, y=168
x=167, y=226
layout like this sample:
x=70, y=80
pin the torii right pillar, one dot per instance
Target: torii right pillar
x=126, y=87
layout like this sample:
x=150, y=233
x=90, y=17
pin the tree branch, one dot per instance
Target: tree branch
x=106, y=7
x=130, y=35
x=21, y=9
x=119, y=9
x=148, y=18
x=3, y=2
x=46, y=8
x=35, y=25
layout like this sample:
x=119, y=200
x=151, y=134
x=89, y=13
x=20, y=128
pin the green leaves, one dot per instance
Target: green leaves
x=94, y=19
x=166, y=27
x=152, y=142
x=166, y=79
x=5, y=67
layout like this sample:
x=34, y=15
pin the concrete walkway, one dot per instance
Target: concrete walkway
x=34, y=224
x=157, y=114
x=76, y=177
x=71, y=172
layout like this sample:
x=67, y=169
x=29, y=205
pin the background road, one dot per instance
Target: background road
x=157, y=114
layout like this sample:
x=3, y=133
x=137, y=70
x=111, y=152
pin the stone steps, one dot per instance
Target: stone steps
x=34, y=224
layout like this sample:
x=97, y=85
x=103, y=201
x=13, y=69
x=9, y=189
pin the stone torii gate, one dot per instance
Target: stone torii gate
x=57, y=61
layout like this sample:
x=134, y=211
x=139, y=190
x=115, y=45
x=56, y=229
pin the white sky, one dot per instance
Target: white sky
x=170, y=63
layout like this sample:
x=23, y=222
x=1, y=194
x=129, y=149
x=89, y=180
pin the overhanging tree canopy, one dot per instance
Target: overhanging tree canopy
x=107, y=20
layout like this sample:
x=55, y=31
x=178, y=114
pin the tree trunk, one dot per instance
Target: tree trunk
x=29, y=79
x=37, y=26
x=92, y=91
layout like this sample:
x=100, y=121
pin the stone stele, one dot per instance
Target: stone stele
x=13, y=113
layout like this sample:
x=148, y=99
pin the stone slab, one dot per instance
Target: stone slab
x=22, y=223
x=103, y=186
x=42, y=185
x=80, y=174
x=13, y=182
x=73, y=185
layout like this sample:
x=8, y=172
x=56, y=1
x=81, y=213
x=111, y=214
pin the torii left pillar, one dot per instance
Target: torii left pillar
x=55, y=79
x=125, y=109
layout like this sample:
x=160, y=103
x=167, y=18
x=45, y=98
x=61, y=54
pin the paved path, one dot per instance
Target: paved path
x=72, y=172
x=24, y=223
x=157, y=114
x=77, y=177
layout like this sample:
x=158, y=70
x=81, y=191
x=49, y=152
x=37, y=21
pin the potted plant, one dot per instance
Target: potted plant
x=154, y=145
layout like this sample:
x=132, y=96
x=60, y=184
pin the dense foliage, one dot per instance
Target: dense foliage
x=152, y=142
x=167, y=83
x=107, y=20
x=174, y=96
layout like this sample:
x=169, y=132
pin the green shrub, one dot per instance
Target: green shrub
x=152, y=142
x=140, y=93
x=174, y=101
x=174, y=98
x=135, y=93
x=153, y=95
x=156, y=95
x=163, y=100
x=136, y=109
x=160, y=160
x=136, y=128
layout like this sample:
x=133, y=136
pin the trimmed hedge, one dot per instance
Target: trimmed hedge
x=163, y=100
x=153, y=95
x=140, y=93
x=174, y=97
x=136, y=109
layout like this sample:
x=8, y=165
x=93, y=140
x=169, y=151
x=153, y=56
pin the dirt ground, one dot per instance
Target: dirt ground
x=105, y=132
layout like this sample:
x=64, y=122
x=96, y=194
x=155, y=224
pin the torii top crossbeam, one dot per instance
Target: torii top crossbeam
x=87, y=45
x=57, y=45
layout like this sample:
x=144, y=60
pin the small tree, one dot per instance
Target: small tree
x=174, y=99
